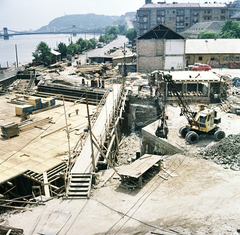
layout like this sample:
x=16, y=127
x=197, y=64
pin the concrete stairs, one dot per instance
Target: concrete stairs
x=79, y=186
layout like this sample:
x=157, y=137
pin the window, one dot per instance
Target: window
x=237, y=58
x=200, y=58
x=173, y=12
x=145, y=19
x=225, y=58
x=215, y=18
x=216, y=12
x=222, y=17
x=186, y=18
x=186, y=24
x=170, y=18
x=212, y=58
x=209, y=12
x=223, y=12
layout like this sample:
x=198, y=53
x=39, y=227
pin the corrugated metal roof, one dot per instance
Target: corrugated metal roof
x=211, y=46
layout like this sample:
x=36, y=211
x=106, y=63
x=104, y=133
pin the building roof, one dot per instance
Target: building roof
x=212, y=5
x=235, y=16
x=168, y=5
x=211, y=46
x=193, y=31
x=55, y=52
x=160, y=32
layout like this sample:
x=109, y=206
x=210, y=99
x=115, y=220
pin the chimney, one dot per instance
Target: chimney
x=148, y=1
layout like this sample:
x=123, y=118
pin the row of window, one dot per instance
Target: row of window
x=223, y=18
x=215, y=12
x=182, y=12
x=228, y=58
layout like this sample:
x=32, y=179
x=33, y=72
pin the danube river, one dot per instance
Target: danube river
x=26, y=45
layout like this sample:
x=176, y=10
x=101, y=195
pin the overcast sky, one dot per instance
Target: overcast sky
x=33, y=14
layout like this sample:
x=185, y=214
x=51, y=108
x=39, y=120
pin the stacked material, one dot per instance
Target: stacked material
x=23, y=109
x=45, y=104
x=36, y=102
x=51, y=101
x=9, y=130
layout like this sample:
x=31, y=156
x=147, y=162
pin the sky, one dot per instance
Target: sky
x=22, y=15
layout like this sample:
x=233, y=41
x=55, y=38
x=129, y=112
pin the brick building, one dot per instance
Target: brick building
x=160, y=49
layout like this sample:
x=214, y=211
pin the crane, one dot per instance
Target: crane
x=203, y=121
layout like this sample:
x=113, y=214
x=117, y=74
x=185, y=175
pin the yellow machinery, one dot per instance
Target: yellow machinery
x=204, y=121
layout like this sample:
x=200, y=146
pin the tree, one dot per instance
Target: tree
x=113, y=30
x=121, y=28
x=93, y=42
x=42, y=53
x=206, y=34
x=131, y=34
x=73, y=48
x=62, y=47
x=230, y=30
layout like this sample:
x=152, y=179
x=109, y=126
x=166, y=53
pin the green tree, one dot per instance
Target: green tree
x=206, y=34
x=73, y=48
x=102, y=38
x=62, y=47
x=113, y=30
x=79, y=41
x=93, y=41
x=131, y=34
x=230, y=29
x=42, y=53
x=121, y=29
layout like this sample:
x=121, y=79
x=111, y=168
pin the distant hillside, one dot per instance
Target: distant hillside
x=84, y=23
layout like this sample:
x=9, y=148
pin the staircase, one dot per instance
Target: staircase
x=79, y=186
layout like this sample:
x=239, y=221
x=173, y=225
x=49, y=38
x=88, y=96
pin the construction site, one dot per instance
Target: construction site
x=85, y=149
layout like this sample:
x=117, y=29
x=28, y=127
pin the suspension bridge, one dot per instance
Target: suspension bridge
x=6, y=33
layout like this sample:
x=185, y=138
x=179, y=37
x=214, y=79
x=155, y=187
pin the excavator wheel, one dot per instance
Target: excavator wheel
x=218, y=135
x=183, y=131
x=192, y=137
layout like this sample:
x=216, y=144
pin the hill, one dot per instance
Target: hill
x=83, y=22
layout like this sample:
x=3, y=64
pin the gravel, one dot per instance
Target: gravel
x=226, y=152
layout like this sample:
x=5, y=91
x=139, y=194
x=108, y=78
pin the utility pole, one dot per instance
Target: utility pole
x=90, y=132
x=16, y=55
x=124, y=65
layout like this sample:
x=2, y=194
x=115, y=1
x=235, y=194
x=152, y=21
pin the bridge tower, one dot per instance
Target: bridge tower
x=5, y=33
x=74, y=31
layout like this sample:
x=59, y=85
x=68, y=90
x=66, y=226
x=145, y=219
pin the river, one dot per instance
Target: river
x=26, y=45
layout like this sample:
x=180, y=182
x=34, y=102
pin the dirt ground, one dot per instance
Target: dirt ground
x=197, y=197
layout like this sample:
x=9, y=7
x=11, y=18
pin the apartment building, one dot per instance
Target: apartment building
x=181, y=16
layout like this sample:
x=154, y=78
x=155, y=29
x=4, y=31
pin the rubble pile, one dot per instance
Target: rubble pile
x=128, y=147
x=225, y=152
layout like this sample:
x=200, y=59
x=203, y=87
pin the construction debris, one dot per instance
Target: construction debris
x=129, y=145
x=226, y=152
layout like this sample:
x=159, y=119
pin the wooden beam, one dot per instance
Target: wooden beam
x=58, y=129
x=105, y=157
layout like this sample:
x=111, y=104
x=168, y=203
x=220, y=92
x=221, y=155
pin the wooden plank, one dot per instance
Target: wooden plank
x=138, y=167
x=60, y=128
x=34, y=124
